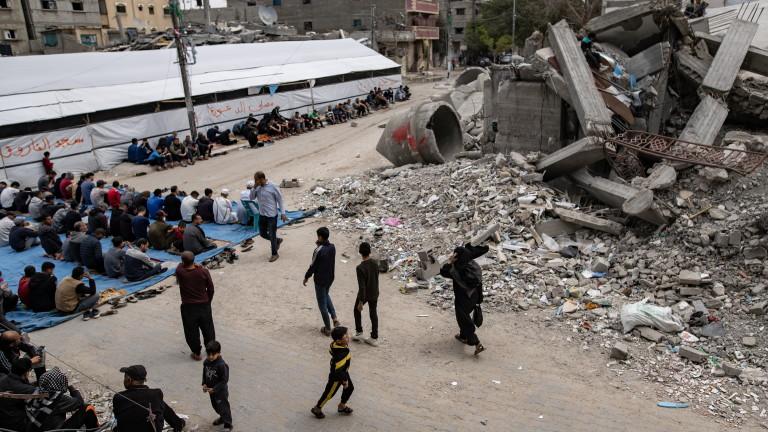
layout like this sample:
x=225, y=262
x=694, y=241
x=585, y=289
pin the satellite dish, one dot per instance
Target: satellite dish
x=268, y=15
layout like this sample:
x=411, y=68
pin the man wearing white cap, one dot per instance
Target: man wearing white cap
x=222, y=209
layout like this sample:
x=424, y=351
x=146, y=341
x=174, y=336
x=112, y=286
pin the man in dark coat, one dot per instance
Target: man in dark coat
x=467, y=290
x=141, y=409
x=322, y=270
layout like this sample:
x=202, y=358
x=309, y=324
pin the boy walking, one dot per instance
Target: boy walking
x=215, y=379
x=367, y=292
x=339, y=376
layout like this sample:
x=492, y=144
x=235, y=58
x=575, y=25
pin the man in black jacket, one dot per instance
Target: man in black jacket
x=467, y=290
x=71, y=218
x=322, y=268
x=138, y=406
x=172, y=205
x=42, y=289
x=13, y=413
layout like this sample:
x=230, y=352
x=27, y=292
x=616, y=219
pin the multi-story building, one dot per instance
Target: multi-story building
x=407, y=31
x=124, y=20
x=49, y=26
x=458, y=16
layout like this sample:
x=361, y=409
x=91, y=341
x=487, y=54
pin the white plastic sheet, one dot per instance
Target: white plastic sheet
x=644, y=314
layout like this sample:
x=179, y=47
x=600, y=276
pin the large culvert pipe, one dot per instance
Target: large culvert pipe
x=468, y=75
x=427, y=133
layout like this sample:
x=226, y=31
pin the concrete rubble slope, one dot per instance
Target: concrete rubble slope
x=650, y=60
x=589, y=221
x=755, y=61
x=729, y=58
x=587, y=102
x=617, y=194
x=572, y=157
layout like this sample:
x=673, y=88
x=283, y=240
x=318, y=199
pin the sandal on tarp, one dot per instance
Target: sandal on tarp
x=345, y=410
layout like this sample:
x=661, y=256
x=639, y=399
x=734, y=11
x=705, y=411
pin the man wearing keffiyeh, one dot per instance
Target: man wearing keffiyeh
x=51, y=412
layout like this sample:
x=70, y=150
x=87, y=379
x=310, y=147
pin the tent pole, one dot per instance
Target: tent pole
x=5, y=171
x=312, y=94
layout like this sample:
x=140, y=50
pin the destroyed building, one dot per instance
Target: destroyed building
x=637, y=223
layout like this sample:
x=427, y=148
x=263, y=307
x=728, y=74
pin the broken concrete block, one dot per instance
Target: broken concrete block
x=589, y=105
x=700, y=307
x=292, y=183
x=600, y=265
x=651, y=334
x=749, y=341
x=484, y=235
x=556, y=227
x=734, y=238
x=619, y=17
x=728, y=60
x=589, y=221
x=713, y=330
x=758, y=308
x=662, y=176
x=730, y=369
x=718, y=213
x=705, y=123
x=428, y=266
x=691, y=292
x=688, y=277
x=572, y=157
x=756, y=252
x=715, y=175
x=619, y=351
x=649, y=61
x=692, y=354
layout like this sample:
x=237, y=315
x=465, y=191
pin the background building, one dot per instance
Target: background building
x=458, y=16
x=406, y=31
x=123, y=20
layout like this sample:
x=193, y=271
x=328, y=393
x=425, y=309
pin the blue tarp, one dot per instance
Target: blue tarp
x=12, y=265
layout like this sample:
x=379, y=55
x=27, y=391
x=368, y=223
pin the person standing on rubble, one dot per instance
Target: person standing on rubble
x=467, y=290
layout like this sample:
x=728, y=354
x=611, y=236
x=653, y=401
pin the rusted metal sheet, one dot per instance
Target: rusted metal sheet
x=736, y=160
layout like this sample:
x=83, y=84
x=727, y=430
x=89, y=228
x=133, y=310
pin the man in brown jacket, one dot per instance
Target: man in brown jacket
x=73, y=296
x=196, y=289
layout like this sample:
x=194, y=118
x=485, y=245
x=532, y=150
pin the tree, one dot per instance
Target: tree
x=503, y=44
x=479, y=43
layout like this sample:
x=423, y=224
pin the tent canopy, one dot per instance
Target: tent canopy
x=55, y=86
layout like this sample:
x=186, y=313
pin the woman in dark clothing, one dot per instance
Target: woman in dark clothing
x=50, y=413
x=467, y=290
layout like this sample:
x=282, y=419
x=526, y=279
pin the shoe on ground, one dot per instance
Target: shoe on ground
x=372, y=342
x=479, y=348
x=325, y=331
x=218, y=421
x=198, y=357
x=358, y=337
x=336, y=323
x=228, y=428
x=318, y=413
x=86, y=315
x=95, y=313
x=274, y=258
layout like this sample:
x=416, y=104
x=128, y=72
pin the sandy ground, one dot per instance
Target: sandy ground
x=531, y=378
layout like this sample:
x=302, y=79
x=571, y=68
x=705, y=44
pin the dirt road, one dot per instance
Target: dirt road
x=530, y=378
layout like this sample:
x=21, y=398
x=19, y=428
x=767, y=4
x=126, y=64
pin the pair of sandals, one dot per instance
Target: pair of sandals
x=318, y=413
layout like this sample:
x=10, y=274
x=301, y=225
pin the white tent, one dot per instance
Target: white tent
x=79, y=89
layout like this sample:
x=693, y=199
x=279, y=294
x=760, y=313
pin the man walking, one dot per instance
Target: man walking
x=368, y=292
x=322, y=268
x=196, y=289
x=270, y=201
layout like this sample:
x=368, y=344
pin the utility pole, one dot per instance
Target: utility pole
x=373, y=28
x=207, y=12
x=182, y=58
x=449, y=48
x=514, y=21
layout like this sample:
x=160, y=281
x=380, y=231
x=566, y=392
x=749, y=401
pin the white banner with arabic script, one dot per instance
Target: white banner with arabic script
x=101, y=146
x=70, y=148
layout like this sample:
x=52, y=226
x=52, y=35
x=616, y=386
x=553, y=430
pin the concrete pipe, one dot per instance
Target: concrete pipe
x=427, y=133
x=468, y=75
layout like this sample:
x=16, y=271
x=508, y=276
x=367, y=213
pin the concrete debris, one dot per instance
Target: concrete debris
x=693, y=354
x=619, y=351
x=588, y=221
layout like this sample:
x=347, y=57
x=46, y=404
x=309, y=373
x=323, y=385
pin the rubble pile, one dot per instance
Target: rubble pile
x=228, y=33
x=707, y=265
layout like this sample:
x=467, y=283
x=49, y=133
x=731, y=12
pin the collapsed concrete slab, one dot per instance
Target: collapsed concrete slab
x=650, y=61
x=429, y=132
x=586, y=100
x=616, y=195
x=729, y=58
x=756, y=59
x=589, y=221
x=469, y=75
x=619, y=17
x=570, y=158
x=705, y=122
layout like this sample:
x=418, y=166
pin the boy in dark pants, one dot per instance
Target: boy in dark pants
x=339, y=376
x=368, y=292
x=215, y=379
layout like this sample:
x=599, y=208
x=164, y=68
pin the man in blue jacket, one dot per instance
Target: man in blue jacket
x=322, y=268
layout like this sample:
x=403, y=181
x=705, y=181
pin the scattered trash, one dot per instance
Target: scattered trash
x=673, y=404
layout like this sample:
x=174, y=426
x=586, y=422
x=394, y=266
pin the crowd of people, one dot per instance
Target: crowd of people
x=170, y=151
x=87, y=211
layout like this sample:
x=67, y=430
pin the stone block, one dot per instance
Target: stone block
x=749, y=341
x=619, y=351
x=651, y=334
x=730, y=369
x=692, y=354
x=600, y=265
x=691, y=291
x=687, y=277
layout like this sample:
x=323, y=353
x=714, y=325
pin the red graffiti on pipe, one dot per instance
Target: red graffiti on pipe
x=403, y=134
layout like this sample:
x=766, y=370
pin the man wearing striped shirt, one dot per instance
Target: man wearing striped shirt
x=270, y=201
